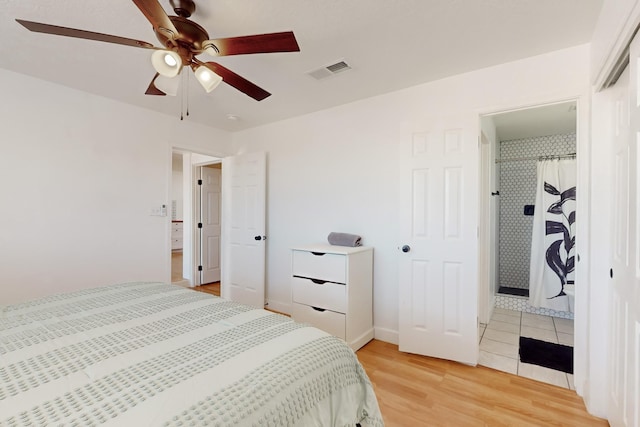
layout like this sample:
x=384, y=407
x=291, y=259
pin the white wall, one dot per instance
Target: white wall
x=337, y=170
x=79, y=176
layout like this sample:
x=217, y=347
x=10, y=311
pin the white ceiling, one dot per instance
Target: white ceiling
x=390, y=45
x=555, y=119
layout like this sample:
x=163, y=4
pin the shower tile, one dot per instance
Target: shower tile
x=545, y=375
x=501, y=363
x=504, y=326
x=563, y=325
x=512, y=303
x=505, y=337
x=537, y=321
x=539, y=334
x=497, y=347
x=565, y=339
x=517, y=189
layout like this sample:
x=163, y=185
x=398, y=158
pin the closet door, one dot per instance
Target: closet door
x=624, y=356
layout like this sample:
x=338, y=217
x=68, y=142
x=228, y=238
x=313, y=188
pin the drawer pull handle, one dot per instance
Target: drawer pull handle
x=318, y=253
x=318, y=309
x=319, y=282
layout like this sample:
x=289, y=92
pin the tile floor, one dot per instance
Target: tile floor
x=499, y=343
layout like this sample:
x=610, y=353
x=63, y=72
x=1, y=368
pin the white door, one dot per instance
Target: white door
x=438, y=221
x=243, y=220
x=624, y=355
x=210, y=216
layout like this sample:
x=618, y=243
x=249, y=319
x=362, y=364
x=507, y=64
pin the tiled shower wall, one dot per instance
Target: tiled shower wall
x=517, y=189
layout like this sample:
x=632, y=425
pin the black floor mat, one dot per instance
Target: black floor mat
x=513, y=291
x=547, y=354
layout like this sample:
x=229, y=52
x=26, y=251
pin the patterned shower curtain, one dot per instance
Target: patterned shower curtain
x=553, y=240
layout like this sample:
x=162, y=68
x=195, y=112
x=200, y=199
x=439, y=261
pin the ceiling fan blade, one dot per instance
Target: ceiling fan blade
x=81, y=34
x=152, y=89
x=158, y=17
x=238, y=82
x=259, y=43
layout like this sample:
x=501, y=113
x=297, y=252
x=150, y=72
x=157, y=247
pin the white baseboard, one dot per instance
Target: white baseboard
x=357, y=343
x=386, y=335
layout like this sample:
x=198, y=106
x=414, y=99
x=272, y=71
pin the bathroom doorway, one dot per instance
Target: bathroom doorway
x=195, y=223
x=512, y=145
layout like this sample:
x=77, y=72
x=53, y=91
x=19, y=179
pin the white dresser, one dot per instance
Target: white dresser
x=332, y=289
x=176, y=235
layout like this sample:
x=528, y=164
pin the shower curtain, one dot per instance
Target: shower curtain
x=553, y=239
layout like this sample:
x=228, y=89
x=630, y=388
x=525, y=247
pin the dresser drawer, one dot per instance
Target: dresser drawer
x=327, y=320
x=331, y=296
x=176, y=243
x=314, y=265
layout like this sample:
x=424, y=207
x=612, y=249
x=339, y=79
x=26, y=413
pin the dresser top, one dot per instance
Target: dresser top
x=332, y=249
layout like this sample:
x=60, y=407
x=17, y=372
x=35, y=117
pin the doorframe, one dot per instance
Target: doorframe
x=188, y=182
x=582, y=344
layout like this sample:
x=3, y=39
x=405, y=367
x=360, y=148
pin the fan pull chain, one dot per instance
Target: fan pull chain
x=187, y=90
x=184, y=105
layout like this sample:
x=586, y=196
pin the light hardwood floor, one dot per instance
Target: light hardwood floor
x=211, y=288
x=176, y=266
x=415, y=390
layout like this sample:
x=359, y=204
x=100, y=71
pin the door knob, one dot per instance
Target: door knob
x=406, y=248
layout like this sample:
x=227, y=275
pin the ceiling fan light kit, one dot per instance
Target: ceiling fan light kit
x=166, y=62
x=207, y=78
x=182, y=40
x=168, y=85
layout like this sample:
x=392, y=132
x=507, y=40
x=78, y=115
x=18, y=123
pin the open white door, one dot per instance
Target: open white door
x=624, y=353
x=209, y=224
x=438, y=220
x=243, y=221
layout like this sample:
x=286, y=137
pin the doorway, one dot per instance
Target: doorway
x=186, y=215
x=512, y=145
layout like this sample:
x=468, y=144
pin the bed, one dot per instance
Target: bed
x=154, y=354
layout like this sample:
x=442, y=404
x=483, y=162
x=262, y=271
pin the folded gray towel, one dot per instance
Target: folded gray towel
x=344, y=239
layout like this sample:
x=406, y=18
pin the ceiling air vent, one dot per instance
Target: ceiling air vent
x=329, y=70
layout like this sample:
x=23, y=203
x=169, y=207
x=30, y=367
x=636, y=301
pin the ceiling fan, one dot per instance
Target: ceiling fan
x=182, y=40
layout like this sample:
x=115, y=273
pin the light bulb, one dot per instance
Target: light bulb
x=205, y=75
x=170, y=60
x=166, y=62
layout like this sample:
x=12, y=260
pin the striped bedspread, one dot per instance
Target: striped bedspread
x=153, y=354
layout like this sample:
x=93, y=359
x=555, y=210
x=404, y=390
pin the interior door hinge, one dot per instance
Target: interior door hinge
x=199, y=225
x=199, y=268
x=199, y=182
